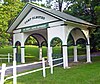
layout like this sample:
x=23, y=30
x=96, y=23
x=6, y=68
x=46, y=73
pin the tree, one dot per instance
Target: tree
x=84, y=9
x=97, y=13
x=8, y=11
x=60, y=4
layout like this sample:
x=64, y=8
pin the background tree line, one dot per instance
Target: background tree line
x=88, y=10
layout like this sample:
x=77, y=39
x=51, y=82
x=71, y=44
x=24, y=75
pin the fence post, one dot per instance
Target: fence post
x=51, y=65
x=14, y=73
x=8, y=57
x=43, y=65
x=3, y=73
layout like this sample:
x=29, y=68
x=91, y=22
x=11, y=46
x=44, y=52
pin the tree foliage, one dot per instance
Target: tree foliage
x=31, y=41
x=88, y=10
x=8, y=11
x=85, y=9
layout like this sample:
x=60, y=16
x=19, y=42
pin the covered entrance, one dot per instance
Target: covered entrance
x=45, y=25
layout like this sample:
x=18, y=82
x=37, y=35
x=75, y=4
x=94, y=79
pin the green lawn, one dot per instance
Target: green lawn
x=32, y=52
x=79, y=74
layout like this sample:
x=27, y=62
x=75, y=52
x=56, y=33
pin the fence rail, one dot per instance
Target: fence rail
x=14, y=67
x=6, y=57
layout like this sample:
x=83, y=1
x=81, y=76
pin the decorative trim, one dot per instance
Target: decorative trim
x=22, y=47
x=64, y=45
x=15, y=47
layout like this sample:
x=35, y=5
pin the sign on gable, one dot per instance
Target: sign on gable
x=35, y=17
x=41, y=26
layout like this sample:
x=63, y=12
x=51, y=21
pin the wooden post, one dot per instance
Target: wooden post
x=14, y=73
x=8, y=57
x=51, y=65
x=40, y=53
x=43, y=64
x=3, y=73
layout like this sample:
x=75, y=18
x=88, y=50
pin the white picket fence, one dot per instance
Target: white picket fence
x=6, y=57
x=15, y=75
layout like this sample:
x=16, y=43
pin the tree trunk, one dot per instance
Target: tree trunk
x=60, y=4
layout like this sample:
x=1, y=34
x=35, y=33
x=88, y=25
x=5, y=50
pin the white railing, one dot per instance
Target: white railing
x=14, y=67
x=6, y=57
x=51, y=63
x=15, y=75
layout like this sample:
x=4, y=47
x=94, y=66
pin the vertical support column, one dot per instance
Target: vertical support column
x=22, y=55
x=49, y=53
x=88, y=53
x=65, y=57
x=40, y=53
x=88, y=48
x=75, y=54
x=14, y=53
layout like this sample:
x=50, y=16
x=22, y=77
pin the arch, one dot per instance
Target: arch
x=82, y=40
x=44, y=42
x=73, y=36
x=56, y=50
x=35, y=39
x=18, y=51
x=70, y=38
x=17, y=43
x=51, y=42
x=40, y=39
x=81, y=47
x=34, y=35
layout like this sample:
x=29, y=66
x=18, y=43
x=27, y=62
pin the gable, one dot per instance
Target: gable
x=35, y=17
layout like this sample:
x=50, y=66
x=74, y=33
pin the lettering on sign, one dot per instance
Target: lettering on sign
x=42, y=26
x=34, y=17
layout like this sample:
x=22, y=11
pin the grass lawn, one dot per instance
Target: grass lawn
x=32, y=52
x=79, y=74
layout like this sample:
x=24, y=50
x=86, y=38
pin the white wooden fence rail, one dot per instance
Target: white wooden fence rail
x=6, y=57
x=15, y=75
